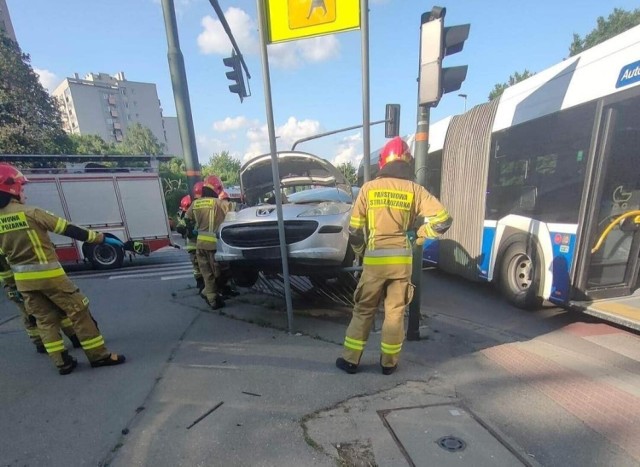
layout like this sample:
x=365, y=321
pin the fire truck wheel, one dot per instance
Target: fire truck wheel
x=105, y=256
x=520, y=276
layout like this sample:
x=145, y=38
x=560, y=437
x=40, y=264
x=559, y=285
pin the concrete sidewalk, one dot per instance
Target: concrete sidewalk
x=270, y=398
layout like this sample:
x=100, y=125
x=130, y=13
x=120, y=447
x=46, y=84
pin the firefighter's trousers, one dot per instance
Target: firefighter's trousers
x=196, y=266
x=397, y=294
x=209, y=271
x=42, y=305
x=31, y=326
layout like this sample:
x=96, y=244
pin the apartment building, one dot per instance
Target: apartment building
x=5, y=21
x=106, y=105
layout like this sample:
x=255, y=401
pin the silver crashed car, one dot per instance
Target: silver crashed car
x=317, y=201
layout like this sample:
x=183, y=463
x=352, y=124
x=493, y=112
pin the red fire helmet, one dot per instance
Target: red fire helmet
x=396, y=149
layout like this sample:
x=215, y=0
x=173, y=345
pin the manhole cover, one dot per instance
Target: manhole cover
x=451, y=443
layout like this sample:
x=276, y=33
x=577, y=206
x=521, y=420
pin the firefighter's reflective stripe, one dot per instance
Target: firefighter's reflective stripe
x=433, y=225
x=390, y=349
x=388, y=256
x=37, y=246
x=33, y=333
x=92, y=343
x=25, y=272
x=61, y=226
x=203, y=203
x=190, y=247
x=354, y=344
x=357, y=222
x=4, y=275
x=207, y=237
x=52, y=347
x=66, y=323
x=92, y=236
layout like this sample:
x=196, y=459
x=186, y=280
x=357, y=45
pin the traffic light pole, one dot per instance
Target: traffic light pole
x=420, y=154
x=181, y=95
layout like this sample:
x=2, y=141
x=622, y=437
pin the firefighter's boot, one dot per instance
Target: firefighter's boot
x=69, y=364
x=346, y=366
x=217, y=303
x=110, y=360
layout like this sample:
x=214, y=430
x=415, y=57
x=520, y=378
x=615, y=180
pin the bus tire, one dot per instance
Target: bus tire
x=104, y=256
x=520, y=276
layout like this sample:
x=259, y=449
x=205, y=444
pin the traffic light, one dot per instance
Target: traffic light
x=436, y=42
x=392, y=121
x=235, y=75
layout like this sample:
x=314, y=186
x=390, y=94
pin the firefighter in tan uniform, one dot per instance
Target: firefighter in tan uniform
x=223, y=270
x=28, y=321
x=191, y=239
x=385, y=214
x=24, y=240
x=205, y=215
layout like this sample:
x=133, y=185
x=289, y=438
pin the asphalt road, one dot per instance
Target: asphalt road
x=279, y=390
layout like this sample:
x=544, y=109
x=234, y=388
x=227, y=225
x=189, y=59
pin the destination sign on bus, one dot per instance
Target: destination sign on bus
x=629, y=74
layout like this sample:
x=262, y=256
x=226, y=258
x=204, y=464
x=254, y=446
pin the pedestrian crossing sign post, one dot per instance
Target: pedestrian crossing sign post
x=289, y=20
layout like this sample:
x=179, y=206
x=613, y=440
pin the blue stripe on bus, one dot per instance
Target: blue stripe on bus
x=430, y=251
x=488, y=235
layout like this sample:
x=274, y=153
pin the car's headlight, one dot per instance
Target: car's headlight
x=326, y=209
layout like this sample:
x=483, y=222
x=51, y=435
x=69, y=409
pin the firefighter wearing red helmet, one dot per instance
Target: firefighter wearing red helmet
x=39, y=277
x=387, y=214
x=197, y=190
x=205, y=216
x=190, y=239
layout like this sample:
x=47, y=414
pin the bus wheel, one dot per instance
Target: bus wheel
x=105, y=256
x=520, y=276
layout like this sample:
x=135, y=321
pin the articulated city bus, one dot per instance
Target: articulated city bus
x=544, y=185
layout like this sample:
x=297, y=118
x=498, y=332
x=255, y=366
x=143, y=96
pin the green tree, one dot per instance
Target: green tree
x=498, y=89
x=139, y=140
x=29, y=119
x=618, y=22
x=91, y=144
x=225, y=167
x=349, y=171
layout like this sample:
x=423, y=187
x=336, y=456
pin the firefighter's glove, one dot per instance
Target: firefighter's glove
x=14, y=295
x=113, y=242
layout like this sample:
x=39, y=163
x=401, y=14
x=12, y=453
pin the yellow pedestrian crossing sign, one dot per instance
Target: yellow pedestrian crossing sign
x=297, y=19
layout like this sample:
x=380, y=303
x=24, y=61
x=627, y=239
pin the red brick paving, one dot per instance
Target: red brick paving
x=613, y=413
x=591, y=329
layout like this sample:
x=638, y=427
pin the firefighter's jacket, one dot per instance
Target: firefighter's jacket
x=206, y=215
x=25, y=242
x=385, y=210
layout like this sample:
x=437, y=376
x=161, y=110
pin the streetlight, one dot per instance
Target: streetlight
x=464, y=96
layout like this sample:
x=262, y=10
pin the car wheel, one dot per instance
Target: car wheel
x=105, y=256
x=520, y=276
x=245, y=277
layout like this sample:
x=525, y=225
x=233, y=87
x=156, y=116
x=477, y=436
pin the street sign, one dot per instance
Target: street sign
x=298, y=19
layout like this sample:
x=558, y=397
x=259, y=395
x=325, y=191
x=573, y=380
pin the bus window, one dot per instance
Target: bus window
x=548, y=153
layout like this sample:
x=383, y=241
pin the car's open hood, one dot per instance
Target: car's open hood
x=296, y=169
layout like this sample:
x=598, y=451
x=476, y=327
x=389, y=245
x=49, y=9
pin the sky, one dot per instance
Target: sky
x=316, y=83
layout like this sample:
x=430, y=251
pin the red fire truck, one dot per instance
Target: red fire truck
x=103, y=194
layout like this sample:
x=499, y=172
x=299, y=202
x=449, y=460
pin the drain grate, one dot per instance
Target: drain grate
x=451, y=443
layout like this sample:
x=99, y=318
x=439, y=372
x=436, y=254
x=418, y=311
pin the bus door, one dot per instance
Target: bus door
x=612, y=227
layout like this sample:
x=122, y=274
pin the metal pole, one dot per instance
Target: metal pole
x=420, y=153
x=181, y=95
x=366, y=129
x=274, y=160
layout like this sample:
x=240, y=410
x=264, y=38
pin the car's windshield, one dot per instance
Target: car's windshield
x=319, y=195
